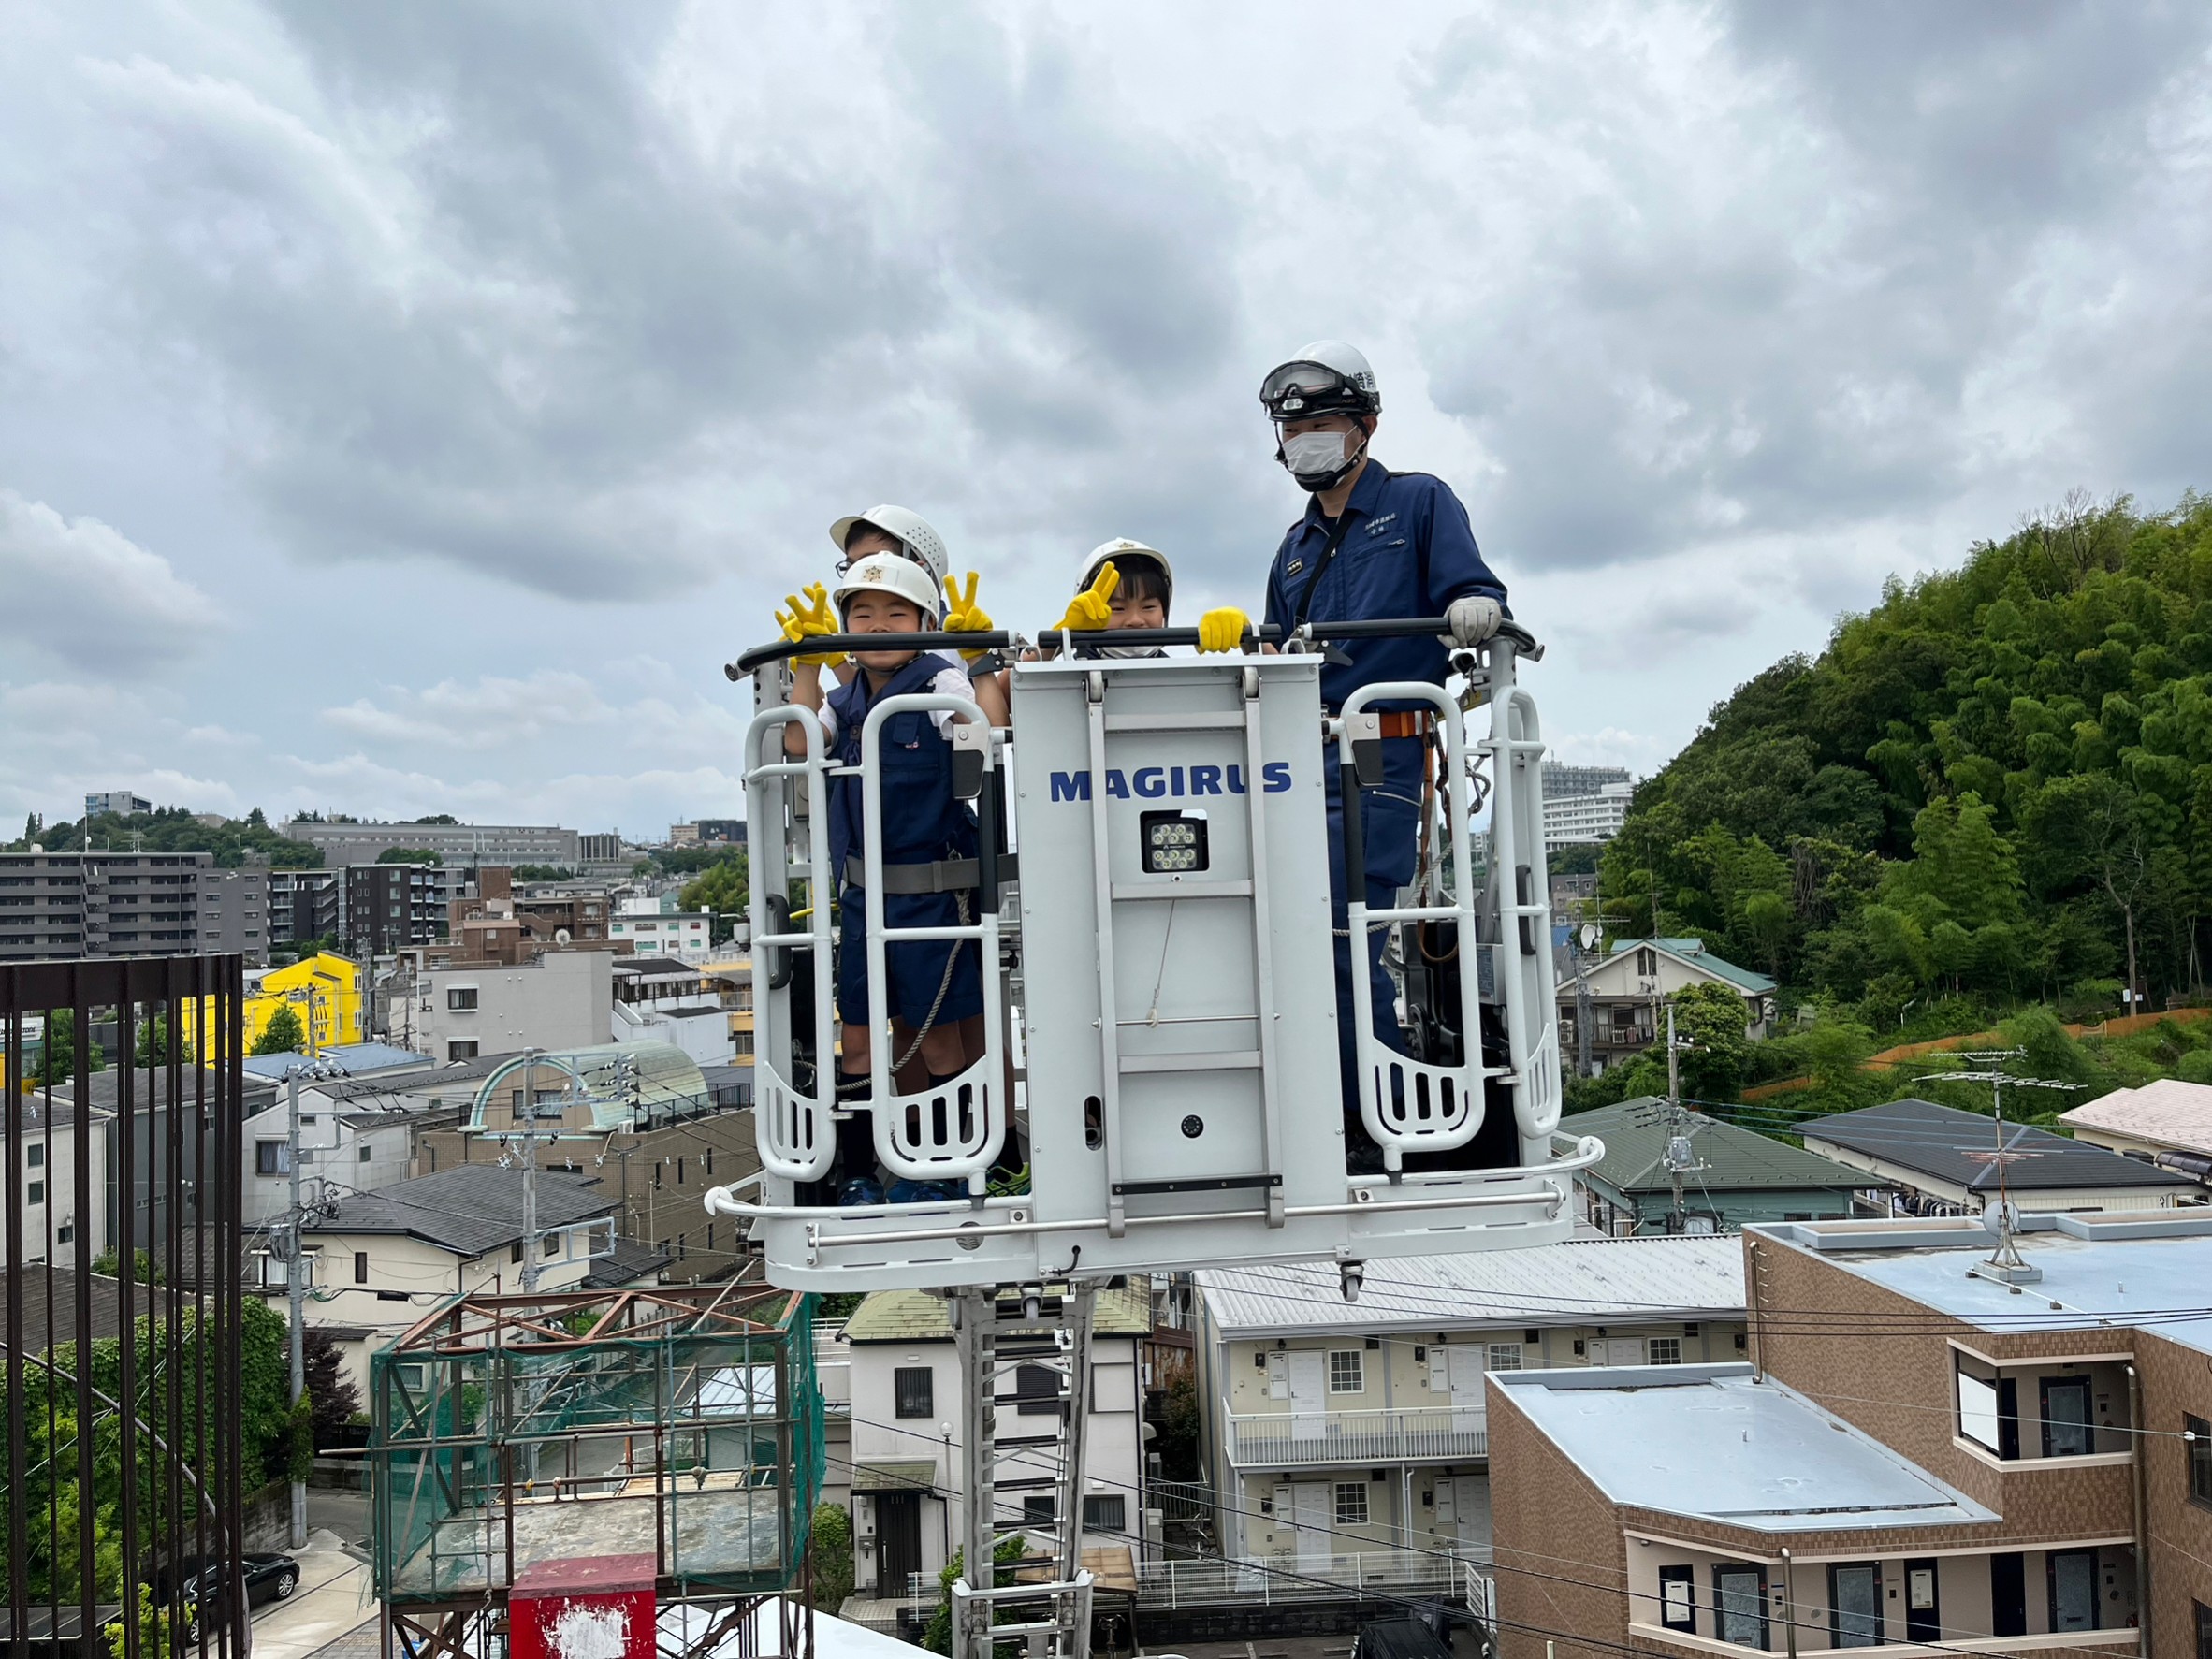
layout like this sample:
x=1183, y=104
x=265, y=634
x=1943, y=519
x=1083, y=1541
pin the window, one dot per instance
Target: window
x=1037, y=1509
x=1038, y=1388
x=360, y=1267
x=36, y=1194
x=1977, y=1410
x=1503, y=1356
x=1108, y=1512
x=914, y=1392
x=460, y=1051
x=743, y=1043
x=271, y=1157
x=1646, y=964
x=515, y=1251
x=2203, y=1630
x=1351, y=1503
x=1347, y=1370
x=1666, y=1350
x=552, y=1245
x=461, y=999
x=36, y=1157
x=2200, y=1460
x=67, y=1234
x=392, y=1296
x=1678, y=1598
x=365, y=1152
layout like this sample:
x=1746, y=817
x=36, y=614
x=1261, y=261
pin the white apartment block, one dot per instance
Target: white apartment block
x=1577, y=820
x=1338, y=1430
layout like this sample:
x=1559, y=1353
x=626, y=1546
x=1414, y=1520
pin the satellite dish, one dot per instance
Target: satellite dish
x=1589, y=934
x=561, y=936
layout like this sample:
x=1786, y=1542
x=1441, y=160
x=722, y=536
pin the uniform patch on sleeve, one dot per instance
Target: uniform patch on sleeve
x=1296, y=566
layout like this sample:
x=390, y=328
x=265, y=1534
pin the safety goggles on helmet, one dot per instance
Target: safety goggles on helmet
x=1301, y=389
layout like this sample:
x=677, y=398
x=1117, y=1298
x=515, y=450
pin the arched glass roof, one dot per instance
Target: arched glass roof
x=611, y=1086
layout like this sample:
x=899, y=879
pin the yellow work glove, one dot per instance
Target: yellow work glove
x=804, y=621
x=1223, y=630
x=963, y=615
x=1093, y=608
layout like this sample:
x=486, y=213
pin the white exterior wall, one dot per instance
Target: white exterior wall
x=1112, y=1453
x=1572, y=820
x=558, y=1002
x=685, y=936
x=407, y=1279
x=46, y=1185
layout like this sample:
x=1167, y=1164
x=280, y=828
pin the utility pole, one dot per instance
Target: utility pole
x=295, y=1286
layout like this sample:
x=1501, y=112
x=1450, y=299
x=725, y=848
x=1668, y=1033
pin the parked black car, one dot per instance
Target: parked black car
x=269, y=1578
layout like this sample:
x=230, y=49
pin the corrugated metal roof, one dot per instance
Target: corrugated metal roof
x=1636, y=1134
x=468, y=1209
x=2169, y=1111
x=915, y=1316
x=1579, y=1282
x=1954, y=1145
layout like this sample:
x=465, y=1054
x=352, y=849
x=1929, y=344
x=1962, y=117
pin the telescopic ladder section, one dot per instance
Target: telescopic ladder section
x=792, y=1125
x=1253, y=890
x=1004, y=1347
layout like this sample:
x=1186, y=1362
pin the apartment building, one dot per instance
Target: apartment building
x=1338, y=1429
x=1936, y=1446
x=658, y=999
x=560, y=1000
x=465, y=845
x=659, y=927
x=234, y=918
x=122, y=803
x=100, y=904
x=908, y=1505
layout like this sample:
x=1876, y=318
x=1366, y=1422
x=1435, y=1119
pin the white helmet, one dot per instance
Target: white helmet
x=886, y=573
x=1121, y=547
x=1322, y=378
x=908, y=529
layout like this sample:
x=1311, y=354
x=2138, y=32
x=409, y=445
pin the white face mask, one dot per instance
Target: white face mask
x=1315, y=452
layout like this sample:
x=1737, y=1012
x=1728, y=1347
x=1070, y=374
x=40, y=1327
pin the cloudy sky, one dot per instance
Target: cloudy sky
x=407, y=408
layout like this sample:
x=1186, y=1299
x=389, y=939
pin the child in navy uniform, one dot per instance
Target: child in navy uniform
x=934, y=983
x=1120, y=584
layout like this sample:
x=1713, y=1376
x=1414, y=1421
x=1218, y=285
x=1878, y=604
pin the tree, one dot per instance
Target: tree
x=283, y=1034
x=336, y=1398
x=1005, y=1555
x=408, y=855
x=1711, y=1019
x=65, y=1049
x=723, y=889
x=833, y=1556
x=154, y=1042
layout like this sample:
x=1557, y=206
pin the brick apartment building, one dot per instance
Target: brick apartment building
x=1925, y=1454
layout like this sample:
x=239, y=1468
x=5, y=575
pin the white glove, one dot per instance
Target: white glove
x=1473, y=618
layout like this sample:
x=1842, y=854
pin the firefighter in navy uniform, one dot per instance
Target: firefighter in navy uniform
x=1372, y=544
x=934, y=983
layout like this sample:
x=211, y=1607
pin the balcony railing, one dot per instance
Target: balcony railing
x=1386, y=1574
x=1422, y=1434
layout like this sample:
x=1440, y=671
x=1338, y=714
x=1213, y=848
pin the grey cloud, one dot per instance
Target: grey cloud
x=82, y=592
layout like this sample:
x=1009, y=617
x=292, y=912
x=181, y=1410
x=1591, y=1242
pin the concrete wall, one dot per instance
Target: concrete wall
x=2176, y=1382
x=562, y=1000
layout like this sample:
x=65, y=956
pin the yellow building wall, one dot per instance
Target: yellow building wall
x=337, y=1003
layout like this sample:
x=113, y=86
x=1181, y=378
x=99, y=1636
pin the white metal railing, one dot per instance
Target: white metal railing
x=1408, y=1433
x=1305, y=1578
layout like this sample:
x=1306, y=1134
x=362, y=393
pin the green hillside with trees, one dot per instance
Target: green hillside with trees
x=172, y=829
x=1994, y=789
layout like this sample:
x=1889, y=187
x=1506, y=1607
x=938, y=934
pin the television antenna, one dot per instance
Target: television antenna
x=2005, y=1264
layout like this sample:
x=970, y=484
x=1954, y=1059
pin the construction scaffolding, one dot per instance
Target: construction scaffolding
x=677, y=1425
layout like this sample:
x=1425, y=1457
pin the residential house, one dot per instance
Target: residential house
x=1943, y=1161
x=379, y=1262
x=1934, y=1448
x=907, y=1503
x=660, y=1000
x=1338, y=1429
x=1728, y=1177
x=2166, y=1120
x=642, y=1117
x=732, y=978
x=1626, y=992
x=45, y=1178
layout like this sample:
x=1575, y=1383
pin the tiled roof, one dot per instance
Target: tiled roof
x=2169, y=1111
x=1636, y=1134
x=915, y=1316
x=469, y=1209
x=1952, y=1146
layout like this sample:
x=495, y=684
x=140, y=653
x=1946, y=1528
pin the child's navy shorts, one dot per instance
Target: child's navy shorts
x=916, y=969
